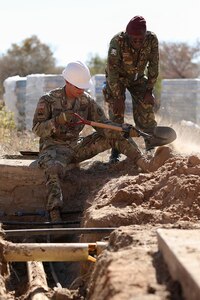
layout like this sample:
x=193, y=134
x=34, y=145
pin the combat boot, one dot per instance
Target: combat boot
x=114, y=157
x=162, y=154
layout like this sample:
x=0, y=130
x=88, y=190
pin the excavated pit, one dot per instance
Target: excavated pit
x=110, y=196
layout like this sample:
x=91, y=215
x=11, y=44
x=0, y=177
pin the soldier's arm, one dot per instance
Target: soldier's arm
x=113, y=67
x=43, y=124
x=96, y=112
x=153, y=67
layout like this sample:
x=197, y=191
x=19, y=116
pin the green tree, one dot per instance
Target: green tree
x=96, y=64
x=179, y=60
x=31, y=56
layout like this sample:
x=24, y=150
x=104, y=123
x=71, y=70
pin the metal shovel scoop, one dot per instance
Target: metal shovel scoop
x=162, y=135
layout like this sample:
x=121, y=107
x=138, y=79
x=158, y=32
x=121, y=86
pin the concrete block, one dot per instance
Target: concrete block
x=181, y=252
x=180, y=100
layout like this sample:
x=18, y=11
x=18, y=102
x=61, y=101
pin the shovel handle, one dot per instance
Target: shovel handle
x=133, y=131
x=155, y=140
x=106, y=126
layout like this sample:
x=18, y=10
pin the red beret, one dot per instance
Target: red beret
x=137, y=26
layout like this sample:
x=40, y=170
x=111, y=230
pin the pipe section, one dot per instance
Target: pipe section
x=37, y=280
x=55, y=231
x=13, y=252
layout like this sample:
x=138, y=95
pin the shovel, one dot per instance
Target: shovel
x=161, y=136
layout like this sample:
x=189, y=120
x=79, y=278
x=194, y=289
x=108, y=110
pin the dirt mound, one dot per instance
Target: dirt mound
x=137, y=204
x=169, y=195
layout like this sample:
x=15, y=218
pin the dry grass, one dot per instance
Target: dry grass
x=13, y=141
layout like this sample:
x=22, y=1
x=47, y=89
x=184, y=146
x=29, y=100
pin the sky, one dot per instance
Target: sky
x=79, y=29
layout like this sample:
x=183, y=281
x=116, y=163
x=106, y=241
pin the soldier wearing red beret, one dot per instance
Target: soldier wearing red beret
x=132, y=64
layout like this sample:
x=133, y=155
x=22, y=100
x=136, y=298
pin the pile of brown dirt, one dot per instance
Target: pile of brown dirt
x=137, y=204
x=169, y=195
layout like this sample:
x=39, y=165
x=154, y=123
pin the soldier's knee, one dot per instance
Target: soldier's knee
x=55, y=169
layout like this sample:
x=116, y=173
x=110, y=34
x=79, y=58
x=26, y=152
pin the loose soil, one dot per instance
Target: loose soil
x=136, y=204
x=132, y=267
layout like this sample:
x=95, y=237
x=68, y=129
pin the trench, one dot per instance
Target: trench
x=25, y=224
x=81, y=279
x=56, y=274
x=64, y=275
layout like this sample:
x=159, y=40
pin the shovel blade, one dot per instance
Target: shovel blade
x=162, y=135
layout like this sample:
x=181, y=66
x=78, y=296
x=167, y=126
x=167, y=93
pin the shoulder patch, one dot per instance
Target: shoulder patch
x=113, y=52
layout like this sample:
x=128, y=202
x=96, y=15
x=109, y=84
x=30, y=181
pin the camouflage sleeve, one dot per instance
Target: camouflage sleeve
x=153, y=67
x=96, y=113
x=43, y=124
x=113, y=67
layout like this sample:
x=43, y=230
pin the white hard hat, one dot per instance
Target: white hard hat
x=78, y=74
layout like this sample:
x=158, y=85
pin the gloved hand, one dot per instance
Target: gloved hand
x=63, y=118
x=118, y=107
x=149, y=97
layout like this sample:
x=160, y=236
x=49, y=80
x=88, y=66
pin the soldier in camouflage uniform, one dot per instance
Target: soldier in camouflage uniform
x=60, y=145
x=132, y=64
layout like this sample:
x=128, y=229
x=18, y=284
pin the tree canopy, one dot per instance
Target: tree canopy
x=96, y=64
x=31, y=56
x=179, y=60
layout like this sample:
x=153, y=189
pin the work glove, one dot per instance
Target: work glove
x=63, y=118
x=149, y=97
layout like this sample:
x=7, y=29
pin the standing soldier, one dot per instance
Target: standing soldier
x=132, y=64
x=55, y=123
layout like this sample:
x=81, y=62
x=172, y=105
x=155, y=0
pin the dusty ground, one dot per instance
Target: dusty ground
x=132, y=266
x=136, y=204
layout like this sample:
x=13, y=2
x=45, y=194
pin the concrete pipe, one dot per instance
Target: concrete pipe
x=50, y=251
x=37, y=280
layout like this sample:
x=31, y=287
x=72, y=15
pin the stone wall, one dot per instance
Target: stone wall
x=180, y=100
x=36, y=86
x=14, y=97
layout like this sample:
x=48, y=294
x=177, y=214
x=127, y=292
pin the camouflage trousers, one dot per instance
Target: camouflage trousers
x=55, y=160
x=143, y=114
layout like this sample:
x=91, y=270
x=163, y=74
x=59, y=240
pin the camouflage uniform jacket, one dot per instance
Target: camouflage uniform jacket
x=51, y=105
x=125, y=66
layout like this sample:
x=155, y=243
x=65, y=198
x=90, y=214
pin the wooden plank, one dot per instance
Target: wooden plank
x=181, y=252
